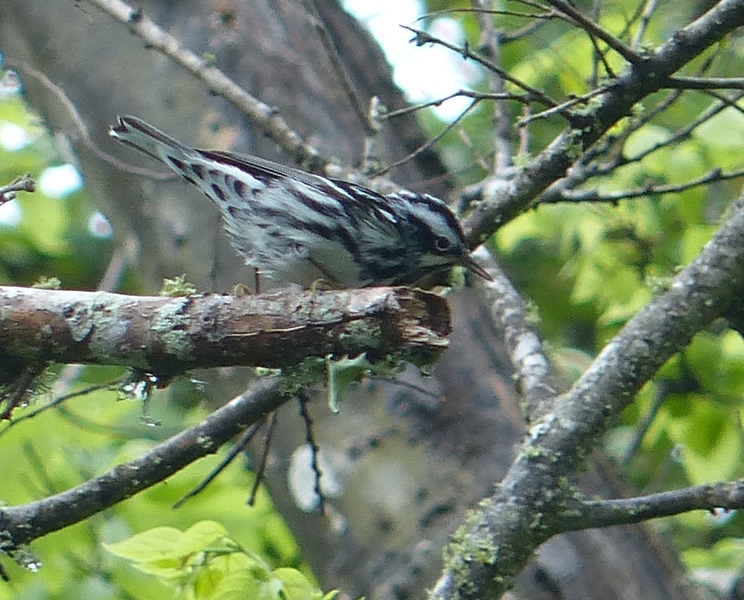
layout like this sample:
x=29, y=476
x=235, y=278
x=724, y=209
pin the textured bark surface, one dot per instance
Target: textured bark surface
x=414, y=462
x=169, y=336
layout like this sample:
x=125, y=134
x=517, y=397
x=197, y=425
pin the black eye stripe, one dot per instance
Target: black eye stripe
x=427, y=232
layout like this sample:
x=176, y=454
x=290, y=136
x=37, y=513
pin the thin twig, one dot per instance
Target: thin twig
x=423, y=37
x=705, y=83
x=523, y=98
x=487, y=11
x=562, y=109
x=714, y=175
x=60, y=400
x=491, y=40
x=431, y=142
x=23, y=183
x=19, y=387
x=264, y=458
x=595, y=30
x=260, y=114
x=344, y=80
x=237, y=448
x=645, y=18
x=314, y=449
x=82, y=129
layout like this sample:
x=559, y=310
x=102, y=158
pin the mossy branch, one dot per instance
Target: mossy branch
x=167, y=336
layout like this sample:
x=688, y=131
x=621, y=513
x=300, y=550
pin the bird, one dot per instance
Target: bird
x=301, y=228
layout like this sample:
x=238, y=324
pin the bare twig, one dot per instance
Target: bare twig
x=594, y=195
x=523, y=98
x=644, y=16
x=489, y=11
x=235, y=451
x=430, y=142
x=563, y=107
x=23, y=183
x=705, y=83
x=82, y=128
x=595, y=30
x=16, y=391
x=491, y=40
x=605, y=513
x=423, y=37
x=303, y=401
x=57, y=402
x=261, y=470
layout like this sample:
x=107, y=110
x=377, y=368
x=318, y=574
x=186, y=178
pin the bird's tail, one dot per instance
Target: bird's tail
x=153, y=142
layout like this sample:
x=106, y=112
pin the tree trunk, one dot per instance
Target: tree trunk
x=414, y=462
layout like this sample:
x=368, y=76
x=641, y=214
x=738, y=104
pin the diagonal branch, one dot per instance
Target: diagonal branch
x=219, y=83
x=595, y=30
x=22, y=524
x=525, y=511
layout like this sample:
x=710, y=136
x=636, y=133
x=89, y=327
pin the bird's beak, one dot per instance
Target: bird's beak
x=469, y=263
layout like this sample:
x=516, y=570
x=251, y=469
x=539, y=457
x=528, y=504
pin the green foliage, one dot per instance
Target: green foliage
x=87, y=434
x=204, y=563
x=177, y=286
x=342, y=372
x=336, y=373
x=587, y=268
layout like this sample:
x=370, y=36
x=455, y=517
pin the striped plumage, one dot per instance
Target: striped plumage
x=302, y=228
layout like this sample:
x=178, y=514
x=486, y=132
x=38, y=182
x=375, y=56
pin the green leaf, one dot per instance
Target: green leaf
x=198, y=538
x=295, y=586
x=238, y=585
x=341, y=373
x=148, y=546
x=227, y=575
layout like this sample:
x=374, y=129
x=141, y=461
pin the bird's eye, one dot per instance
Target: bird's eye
x=442, y=243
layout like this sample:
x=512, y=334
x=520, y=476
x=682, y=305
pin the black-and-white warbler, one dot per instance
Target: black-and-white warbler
x=302, y=228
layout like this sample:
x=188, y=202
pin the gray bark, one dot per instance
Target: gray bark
x=418, y=461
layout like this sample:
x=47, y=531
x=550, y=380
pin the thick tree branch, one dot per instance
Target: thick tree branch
x=167, y=336
x=524, y=345
x=638, y=81
x=22, y=524
x=494, y=546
